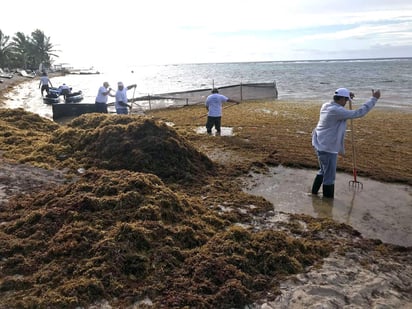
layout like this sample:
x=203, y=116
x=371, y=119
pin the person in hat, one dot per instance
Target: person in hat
x=328, y=136
x=121, y=98
x=214, y=110
x=101, y=99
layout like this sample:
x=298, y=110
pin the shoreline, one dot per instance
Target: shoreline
x=8, y=84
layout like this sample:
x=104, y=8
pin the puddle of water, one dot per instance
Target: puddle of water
x=224, y=131
x=379, y=210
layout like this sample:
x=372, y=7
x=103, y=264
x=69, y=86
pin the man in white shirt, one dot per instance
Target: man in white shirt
x=214, y=107
x=101, y=99
x=329, y=134
x=44, y=83
x=121, y=98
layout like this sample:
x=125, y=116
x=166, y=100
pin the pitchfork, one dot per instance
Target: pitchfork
x=354, y=183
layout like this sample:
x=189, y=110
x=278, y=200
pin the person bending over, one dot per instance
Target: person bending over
x=121, y=99
x=214, y=107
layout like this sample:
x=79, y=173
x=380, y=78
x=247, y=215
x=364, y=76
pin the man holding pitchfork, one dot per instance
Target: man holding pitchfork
x=329, y=134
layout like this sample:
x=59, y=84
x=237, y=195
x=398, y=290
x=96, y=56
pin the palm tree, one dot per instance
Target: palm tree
x=21, y=49
x=5, y=49
x=26, y=51
x=41, y=49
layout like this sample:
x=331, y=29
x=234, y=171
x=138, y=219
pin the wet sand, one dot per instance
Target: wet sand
x=376, y=209
x=345, y=282
x=379, y=210
x=7, y=85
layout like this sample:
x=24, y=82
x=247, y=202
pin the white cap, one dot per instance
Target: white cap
x=343, y=92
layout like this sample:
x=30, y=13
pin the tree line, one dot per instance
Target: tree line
x=26, y=51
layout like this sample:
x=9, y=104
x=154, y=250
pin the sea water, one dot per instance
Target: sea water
x=297, y=81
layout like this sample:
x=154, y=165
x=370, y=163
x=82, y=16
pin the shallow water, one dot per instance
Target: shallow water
x=379, y=210
x=224, y=131
x=312, y=81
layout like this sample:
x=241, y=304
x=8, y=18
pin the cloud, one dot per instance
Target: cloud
x=161, y=31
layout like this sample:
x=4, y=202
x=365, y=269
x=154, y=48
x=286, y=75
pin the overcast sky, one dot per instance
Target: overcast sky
x=189, y=31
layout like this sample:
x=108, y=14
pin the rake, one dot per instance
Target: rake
x=131, y=105
x=204, y=115
x=354, y=183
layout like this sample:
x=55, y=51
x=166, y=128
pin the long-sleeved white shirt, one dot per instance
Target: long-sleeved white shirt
x=121, y=96
x=329, y=134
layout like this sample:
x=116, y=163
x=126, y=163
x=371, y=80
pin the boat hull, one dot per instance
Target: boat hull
x=66, y=110
x=51, y=99
x=74, y=97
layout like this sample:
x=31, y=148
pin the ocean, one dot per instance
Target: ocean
x=297, y=81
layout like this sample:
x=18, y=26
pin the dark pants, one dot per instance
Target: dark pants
x=213, y=121
x=101, y=108
x=45, y=87
x=65, y=93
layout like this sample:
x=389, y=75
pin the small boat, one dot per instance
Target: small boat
x=88, y=71
x=51, y=98
x=54, y=91
x=73, y=97
x=28, y=75
x=5, y=74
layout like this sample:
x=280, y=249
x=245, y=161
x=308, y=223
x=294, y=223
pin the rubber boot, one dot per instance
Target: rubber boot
x=317, y=183
x=328, y=191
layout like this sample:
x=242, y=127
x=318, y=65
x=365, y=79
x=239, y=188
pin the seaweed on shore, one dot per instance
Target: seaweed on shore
x=150, y=218
x=124, y=236
x=104, y=141
x=119, y=232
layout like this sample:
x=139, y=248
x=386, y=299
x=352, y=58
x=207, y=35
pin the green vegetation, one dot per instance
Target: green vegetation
x=26, y=52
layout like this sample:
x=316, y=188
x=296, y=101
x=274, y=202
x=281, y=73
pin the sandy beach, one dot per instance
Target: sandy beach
x=173, y=225
x=7, y=85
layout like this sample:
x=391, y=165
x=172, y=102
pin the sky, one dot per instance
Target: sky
x=122, y=33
